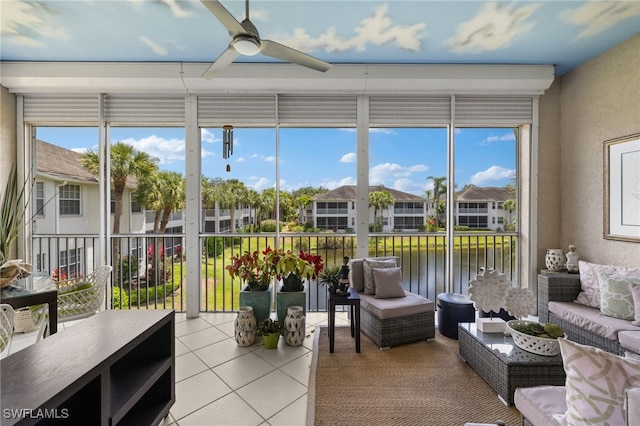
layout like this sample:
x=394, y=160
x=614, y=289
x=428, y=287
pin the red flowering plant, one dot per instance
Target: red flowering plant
x=256, y=269
x=294, y=268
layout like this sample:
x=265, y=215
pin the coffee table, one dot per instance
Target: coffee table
x=503, y=365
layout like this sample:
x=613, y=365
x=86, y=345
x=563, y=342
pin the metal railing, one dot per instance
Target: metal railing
x=151, y=270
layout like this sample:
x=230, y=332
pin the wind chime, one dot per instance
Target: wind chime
x=227, y=144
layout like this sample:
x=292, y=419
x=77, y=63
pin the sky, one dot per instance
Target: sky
x=400, y=158
x=563, y=33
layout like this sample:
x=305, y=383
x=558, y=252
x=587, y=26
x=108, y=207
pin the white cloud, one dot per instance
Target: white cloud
x=176, y=8
x=206, y=153
x=410, y=186
x=30, y=24
x=376, y=30
x=335, y=183
x=208, y=137
x=381, y=130
x=597, y=16
x=155, y=48
x=492, y=174
x=259, y=183
x=165, y=150
x=348, y=158
x=494, y=27
x=507, y=137
x=384, y=174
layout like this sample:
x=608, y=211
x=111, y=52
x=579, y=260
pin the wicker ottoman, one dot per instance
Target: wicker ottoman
x=453, y=308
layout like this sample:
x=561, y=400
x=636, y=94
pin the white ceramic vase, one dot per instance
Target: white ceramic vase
x=294, y=326
x=554, y=260
x=572, y=260
x=245, y=326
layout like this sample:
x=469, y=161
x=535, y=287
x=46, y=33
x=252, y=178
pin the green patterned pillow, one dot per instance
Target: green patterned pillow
x=616, y=299
x=596, y=384
x=368, y=266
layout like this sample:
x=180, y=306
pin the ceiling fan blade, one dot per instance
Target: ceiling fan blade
x=224, y=16
x=287, y=54
x=221, y=62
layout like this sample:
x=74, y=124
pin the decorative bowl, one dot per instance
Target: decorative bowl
x=537, y=345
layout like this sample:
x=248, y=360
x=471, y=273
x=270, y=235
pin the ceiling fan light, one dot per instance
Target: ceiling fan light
x=246, y=46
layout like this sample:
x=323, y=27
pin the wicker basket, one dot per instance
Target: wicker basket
x=537, y=345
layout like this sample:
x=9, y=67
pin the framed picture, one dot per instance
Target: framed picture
x=622, y=188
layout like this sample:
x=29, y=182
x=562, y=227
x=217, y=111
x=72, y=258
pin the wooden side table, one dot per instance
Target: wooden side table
x=353, y=301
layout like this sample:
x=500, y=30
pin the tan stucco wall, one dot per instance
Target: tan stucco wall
x=7, y=134
x=598, y=101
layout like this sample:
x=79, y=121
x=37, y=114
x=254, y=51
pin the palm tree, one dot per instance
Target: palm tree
x=302, y=201
x=126, y=162
x=233, y=193
x=163, y=192
x=268, y=204
x=287, y=207
x=428, y=194
x=207, y=193
x=439, y=187
x=380, y=200
x=253, y=200
x=509, y=206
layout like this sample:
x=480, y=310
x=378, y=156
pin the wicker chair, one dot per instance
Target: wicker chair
x=83, y=298
x=6, y=328
x=392, y=322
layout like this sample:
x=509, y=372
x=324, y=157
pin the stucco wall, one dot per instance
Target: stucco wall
x=7, y=134
x=598, y=101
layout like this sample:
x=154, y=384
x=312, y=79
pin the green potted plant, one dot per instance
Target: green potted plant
x=336, y=278
x=330, y=277
x=293, y=269
x=12, y=218
x=270, y=331
x=257, y=271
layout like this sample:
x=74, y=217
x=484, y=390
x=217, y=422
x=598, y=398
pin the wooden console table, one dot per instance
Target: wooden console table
x=115, y=368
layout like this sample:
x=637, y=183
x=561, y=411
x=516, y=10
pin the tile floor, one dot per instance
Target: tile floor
x=220, y=383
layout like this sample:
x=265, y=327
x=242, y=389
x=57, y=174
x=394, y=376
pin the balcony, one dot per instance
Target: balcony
x=151, y=273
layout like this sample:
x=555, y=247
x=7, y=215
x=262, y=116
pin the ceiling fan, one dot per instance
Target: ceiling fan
x=245, y=40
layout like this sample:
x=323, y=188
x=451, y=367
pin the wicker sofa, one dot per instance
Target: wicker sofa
x=539, y=404
x=557, y=293
x=392, y=321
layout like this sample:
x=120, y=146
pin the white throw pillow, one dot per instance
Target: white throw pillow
x=388, y=283
x=596, y=384
x=590, y=294
x=367, y=268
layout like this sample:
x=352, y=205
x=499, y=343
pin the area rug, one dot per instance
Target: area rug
x=424, y=383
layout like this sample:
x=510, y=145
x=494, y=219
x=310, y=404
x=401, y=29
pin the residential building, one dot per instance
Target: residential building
x=482, y=207
x=336, y=209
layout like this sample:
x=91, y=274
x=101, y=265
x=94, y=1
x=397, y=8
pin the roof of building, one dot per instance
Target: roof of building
x=64, y=164
x=485, y=193
x=348, y=192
